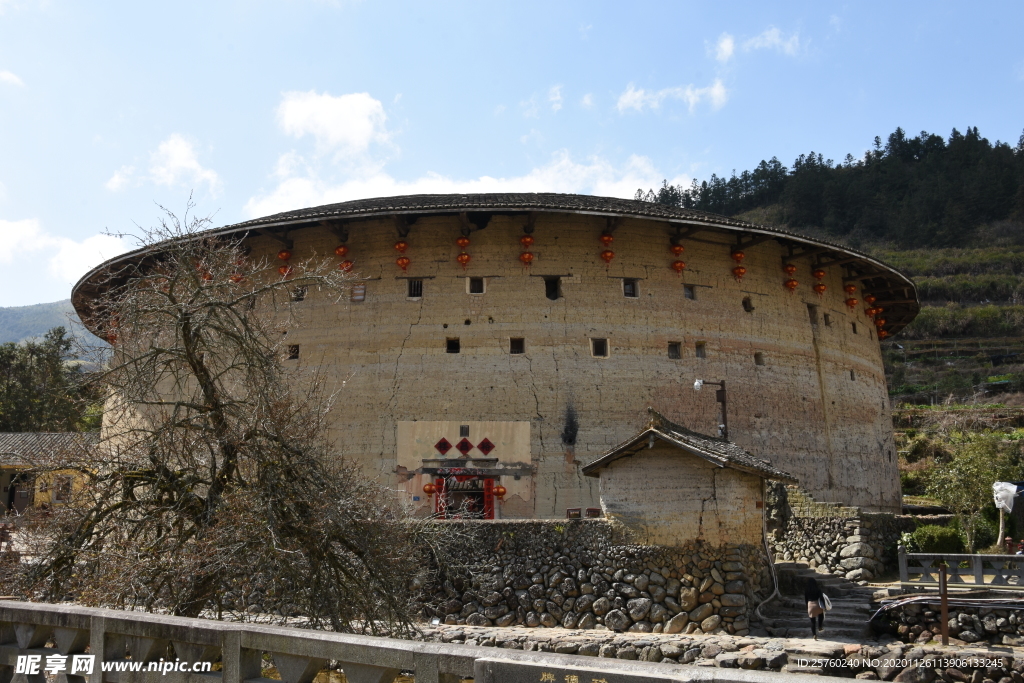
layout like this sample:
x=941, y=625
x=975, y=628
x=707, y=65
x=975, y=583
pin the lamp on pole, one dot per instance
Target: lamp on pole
x=723, y=426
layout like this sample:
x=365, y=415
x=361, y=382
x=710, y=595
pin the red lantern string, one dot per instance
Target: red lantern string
x=852, y=303
x=284, y=254
x=526, y=241
x=819, y=288
x=526, y=257
x=607, y=239
x=403, y=262
x=791, y=285
x=818, y=274
x=738, y=256
x=341, y=251
x=850, y=289
x=401, y=246
x=677, y=249
x=463, y=242
x=789, y=269
x=345, y=266
x=679, y=267
x=608, y=255
x=285, y=271
x=463, y=259
x=738, y=272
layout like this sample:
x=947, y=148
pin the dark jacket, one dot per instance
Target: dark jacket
x=812, y=592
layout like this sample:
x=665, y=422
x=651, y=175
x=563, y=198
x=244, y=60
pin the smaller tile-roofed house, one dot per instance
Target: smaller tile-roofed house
x=671, y=485
x=19, y=450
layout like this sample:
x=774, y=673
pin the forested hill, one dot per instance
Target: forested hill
x=911, y=192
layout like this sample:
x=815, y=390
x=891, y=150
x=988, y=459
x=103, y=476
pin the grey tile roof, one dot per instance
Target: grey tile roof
x=541, y=202
x=714, y=449
x=18, y=447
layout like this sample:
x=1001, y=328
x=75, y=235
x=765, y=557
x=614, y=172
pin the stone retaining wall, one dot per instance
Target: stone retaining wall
x=920, y=622
x=832, y=538
x=582, y=573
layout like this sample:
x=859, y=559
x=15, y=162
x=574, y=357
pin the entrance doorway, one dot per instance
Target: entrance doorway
x=464, y=497
x=19, y=494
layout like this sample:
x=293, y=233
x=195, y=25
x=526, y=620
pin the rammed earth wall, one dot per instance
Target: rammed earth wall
x=581, y=573
x=832, y=538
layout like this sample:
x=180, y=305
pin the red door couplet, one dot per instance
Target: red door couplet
x=488, y=499
x=464, y=495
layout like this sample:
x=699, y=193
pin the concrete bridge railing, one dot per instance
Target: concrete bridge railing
x=55, y=633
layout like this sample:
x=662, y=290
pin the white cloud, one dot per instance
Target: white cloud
x=64, y=261
x=587, y=101
x=562, y=174
x=499, y=110
x=724, y=48
x=310, y=181
x=10, y=79
x=638, y=98
x=772, y=38
x=346, y=124
x=175, y=163
x=530, y=108
x=555, y=97
x=121, y=179
x=585, y=31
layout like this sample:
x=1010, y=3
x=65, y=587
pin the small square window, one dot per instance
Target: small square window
x=553, y=288
x=293, y=352
x=854, y=326
x=299, y=293
x=675, y=350
x=828, y=320
x=758, y=358
x=415, y=290
x=517, y=345
x=463, y=431
x=689, y=291
x=853, y=377
x=748, y=306
x=475, y=285
x=812, y=313
x=630, y=288
x=599, y=348
x=701, y=349
x=359, y=292
x=452, y=345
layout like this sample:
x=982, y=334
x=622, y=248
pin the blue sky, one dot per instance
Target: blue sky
x=258, y=107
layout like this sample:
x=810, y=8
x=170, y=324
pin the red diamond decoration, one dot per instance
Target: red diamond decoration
x=464, y=446
x=443, y=446
x=485, y=446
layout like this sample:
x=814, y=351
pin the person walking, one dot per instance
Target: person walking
x=815, y=608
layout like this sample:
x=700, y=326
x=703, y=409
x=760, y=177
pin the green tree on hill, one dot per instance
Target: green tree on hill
x=40, y=391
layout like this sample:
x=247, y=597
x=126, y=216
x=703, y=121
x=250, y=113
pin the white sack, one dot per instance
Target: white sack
x=1003, y=493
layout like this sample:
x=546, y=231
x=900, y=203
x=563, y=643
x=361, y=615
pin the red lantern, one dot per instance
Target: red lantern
x=345, y=266
x=526, y=241
x=677, y=249
x=236, y=277
x=850, y=289
x=463, y=259
x=403, y=262
x=678, y=266
x=607, y=239
x=284, y=254
x=608, y=255
x=879, y=322
x=790, y=269
x=206, y=275
x=340, y=251
x=401, y=246
x=791, y=284
x=500, y=491
x=463, y=242
x=112, y=337
x=526, y=257
x=882, y=334
x=820, y=288
x=818, y=273
x=738, y=272
x=869, y=299
x=738, y=256
x=285, y=271
x=852, y=303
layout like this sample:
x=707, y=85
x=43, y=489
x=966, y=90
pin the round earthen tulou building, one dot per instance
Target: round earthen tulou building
x=505, y=341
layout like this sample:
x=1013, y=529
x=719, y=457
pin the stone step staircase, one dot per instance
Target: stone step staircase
x=787, y=618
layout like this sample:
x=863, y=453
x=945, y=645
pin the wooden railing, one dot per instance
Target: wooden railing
x=990, y=572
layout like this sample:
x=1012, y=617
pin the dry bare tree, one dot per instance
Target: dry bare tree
x=214, y=488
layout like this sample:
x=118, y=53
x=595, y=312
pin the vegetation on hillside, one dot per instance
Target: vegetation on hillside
x=923, y=191
x=42, y=389
x=19, y=323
